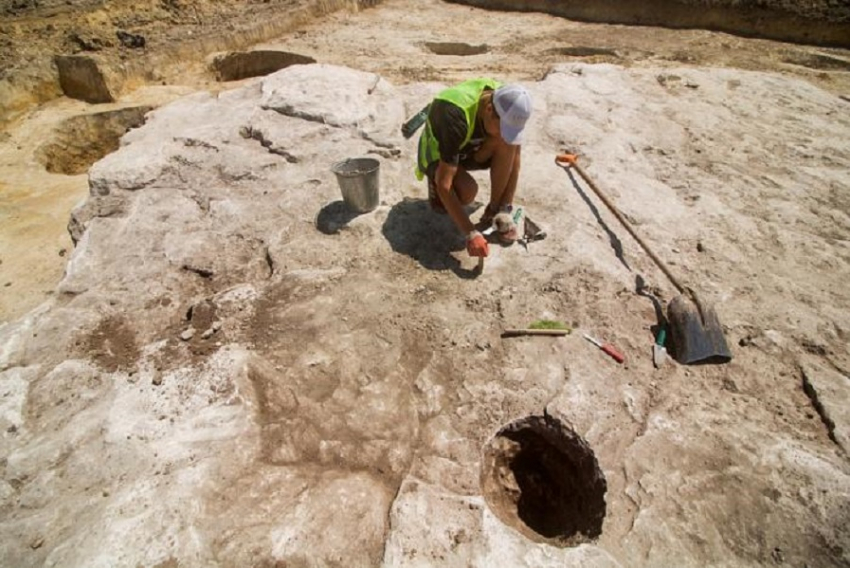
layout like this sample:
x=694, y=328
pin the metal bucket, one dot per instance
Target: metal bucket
x=358, y=180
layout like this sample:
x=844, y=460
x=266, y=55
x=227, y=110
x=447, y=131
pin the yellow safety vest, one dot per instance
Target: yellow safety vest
x=466, y=96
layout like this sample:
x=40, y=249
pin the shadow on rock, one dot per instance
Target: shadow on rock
x=334, y=216
x=642, y=289
x=616, y=244
x=413, y=229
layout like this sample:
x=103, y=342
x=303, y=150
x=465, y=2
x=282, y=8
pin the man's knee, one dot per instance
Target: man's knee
x=465, y=186
x=466, y=197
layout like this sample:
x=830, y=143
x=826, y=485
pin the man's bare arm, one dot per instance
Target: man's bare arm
x=444, y=180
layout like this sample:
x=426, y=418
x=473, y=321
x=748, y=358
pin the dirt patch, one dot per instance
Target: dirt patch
x=452, y=48
x=193, y=339
x=242, y=65
x=818, y=61
x=112, y=345
x=583, y=51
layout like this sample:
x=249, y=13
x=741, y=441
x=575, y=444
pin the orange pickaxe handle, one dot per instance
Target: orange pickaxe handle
x=569, y=159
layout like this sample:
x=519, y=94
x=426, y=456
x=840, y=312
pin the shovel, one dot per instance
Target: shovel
x=659, y=352
x=694, y=326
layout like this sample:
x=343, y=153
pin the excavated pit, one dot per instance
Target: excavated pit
x=818, y=61
x=541, y=478
x=582, y=51
x=238, y=65
x=452, y=48
x=82, y=140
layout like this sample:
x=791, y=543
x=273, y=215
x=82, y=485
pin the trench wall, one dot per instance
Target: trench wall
x=822, y=23
x=41, y=82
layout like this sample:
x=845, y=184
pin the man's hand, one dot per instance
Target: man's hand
x=476, y=244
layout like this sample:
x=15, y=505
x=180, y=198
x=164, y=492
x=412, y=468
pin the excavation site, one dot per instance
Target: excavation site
x=424, y=283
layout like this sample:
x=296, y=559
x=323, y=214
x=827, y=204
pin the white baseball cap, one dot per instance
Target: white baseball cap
x=513, y=105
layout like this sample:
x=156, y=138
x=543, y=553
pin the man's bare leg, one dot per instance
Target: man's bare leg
x=504, y=175
x=506, y=197
x=504, y=170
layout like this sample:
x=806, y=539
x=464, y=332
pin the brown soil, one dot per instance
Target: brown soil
x=112, y=345
x=147, y=41
x=82, y=140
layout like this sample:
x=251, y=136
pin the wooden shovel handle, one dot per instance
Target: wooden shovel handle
x=521, y=332
x=571, y=161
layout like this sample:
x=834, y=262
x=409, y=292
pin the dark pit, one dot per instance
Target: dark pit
x=80, y=141
x=453, y=48
x=541, y=478
x=238, y=65
x=581, y=51
x=817, y=61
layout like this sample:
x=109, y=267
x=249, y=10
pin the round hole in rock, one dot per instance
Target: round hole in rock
x=541, y=478
x=80, y=141
x=450, y=48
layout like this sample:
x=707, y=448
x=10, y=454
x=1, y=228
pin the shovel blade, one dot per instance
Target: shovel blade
x=697, y=337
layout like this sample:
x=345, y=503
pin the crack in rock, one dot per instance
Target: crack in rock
x=812, y=392
x=254, y=134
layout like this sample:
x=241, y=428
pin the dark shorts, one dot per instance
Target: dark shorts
x=467, y=162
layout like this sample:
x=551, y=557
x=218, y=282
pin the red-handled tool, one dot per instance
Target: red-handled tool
x=607, y=348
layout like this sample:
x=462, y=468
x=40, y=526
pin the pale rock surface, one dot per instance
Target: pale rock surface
x=336, y=416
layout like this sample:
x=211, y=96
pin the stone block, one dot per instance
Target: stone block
x=81, y=78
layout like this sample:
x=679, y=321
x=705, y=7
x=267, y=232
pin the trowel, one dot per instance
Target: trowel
x=533, y=231
x=659, y=352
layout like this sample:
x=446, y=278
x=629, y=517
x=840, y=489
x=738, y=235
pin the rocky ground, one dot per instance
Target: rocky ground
x=233, y=363
x=181, y=36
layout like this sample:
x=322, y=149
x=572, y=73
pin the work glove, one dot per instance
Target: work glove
x=505, y=227
x=476, y=244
